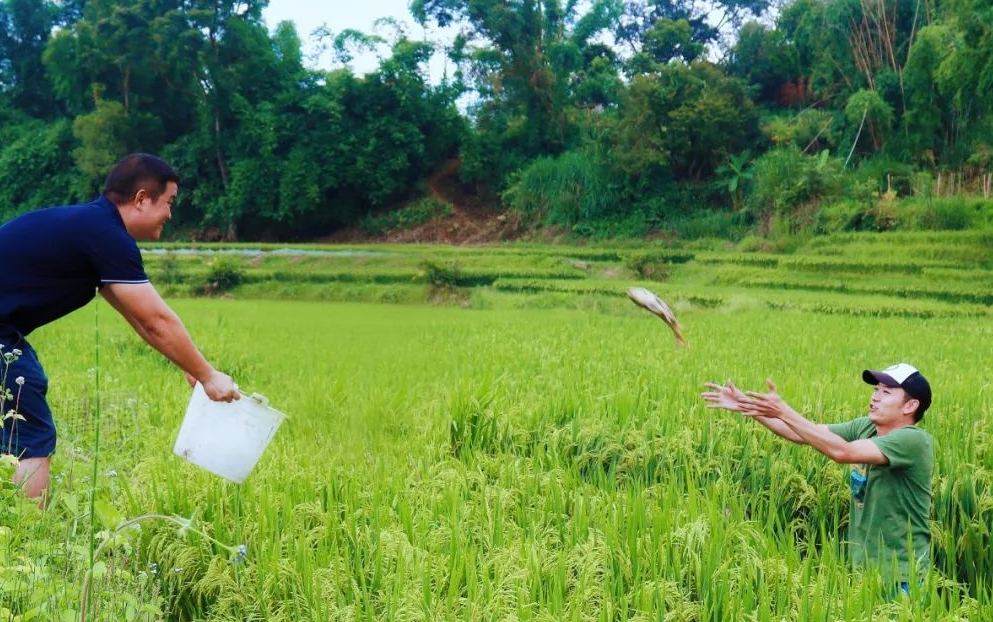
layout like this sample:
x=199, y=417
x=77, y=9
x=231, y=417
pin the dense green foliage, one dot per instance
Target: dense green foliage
x=263, y=145
x=605, y=118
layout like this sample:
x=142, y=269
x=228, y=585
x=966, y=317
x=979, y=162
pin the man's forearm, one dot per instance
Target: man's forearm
x=817, y=436
x=138, y=328
x=167, y=334
x=779, y=428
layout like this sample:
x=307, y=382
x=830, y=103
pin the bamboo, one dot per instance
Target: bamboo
x=857, y=135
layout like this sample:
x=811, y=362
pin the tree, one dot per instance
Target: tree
x=25, y=27
x=525, y=61
x=667, y=40
x=866, y=109
x=764, y=58
x=706, y=20
x=964, y=77
x=322, y=153
x=680, y=123
x=36, y=168
x=105, y=136
x=929, y=135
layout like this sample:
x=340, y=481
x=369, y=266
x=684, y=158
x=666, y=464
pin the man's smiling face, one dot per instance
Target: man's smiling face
x=153, y=214
x=889, y=405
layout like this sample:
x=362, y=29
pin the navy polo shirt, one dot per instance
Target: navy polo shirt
x=53, y=260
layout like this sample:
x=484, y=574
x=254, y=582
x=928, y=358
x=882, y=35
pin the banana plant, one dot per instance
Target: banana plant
x=732, y=176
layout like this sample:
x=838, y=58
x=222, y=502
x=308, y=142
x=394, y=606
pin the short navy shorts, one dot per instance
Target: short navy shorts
x=34, y=436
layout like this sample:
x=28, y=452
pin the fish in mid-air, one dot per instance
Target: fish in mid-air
x=648, y=300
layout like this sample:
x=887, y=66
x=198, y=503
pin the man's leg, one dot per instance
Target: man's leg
x=33, y=475
x=33, y=437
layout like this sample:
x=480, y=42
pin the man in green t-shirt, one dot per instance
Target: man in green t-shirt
x=890, y=457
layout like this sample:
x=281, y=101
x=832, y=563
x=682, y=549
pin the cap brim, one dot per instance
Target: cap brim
x=871, y=376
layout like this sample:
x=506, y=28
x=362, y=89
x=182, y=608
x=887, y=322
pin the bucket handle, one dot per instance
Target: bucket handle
x=257, y=397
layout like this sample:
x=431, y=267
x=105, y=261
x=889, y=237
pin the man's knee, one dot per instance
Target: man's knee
x=32, y=475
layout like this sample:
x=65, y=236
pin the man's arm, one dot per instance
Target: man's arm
x=820, y=437
x=729, y=397
x=780, y=429
x=157, y=324
x=861, y=451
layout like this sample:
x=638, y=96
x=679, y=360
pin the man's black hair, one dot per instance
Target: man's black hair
x=921, y=408
x=135, y=172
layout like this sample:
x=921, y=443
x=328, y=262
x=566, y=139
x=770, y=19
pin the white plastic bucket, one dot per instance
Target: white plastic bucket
x=225, y=438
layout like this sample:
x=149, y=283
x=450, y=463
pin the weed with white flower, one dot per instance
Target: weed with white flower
x=9, y=398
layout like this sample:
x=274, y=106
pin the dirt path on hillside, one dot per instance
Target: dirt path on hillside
x=472, y=220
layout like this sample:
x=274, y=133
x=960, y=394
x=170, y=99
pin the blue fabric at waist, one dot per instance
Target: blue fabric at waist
x=9, y=336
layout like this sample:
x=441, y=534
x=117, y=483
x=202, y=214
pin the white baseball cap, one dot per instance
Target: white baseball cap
x=906, y=377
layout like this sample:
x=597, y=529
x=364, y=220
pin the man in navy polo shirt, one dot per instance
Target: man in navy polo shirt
x=52, y=262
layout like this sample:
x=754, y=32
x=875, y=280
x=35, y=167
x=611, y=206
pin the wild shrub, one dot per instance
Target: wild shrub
x=565, y=190
x=706, y=223
x=910, y=213
x=36, y=168
x=886, y=175
x=786, y=182
x=950, y=214
x=411, y=215
x=223, y=275
x=845, y=216
x=440, y=276
x=656, y=266
x=646, y=267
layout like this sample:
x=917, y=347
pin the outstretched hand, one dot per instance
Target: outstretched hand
x=756, y=404
x=727, y=396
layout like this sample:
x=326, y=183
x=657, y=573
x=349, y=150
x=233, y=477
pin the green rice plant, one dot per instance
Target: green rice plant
x=949, y=293
x=809, y=263
x=764, y=260
x=966, y=249
x=544, y=456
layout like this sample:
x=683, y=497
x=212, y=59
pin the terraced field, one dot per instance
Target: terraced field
x=499, y=434
x=916, y=275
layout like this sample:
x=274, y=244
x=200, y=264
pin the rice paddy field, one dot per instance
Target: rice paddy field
x=499, y=434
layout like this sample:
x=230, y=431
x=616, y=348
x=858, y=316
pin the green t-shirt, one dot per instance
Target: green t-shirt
x=888, y=501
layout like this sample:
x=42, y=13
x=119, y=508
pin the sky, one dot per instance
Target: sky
x=339, y=15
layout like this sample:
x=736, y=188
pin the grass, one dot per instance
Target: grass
x=536, y=455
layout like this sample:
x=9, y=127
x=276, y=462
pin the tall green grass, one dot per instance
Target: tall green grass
x=450, y=464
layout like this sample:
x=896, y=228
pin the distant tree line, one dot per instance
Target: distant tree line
x=614, y=116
